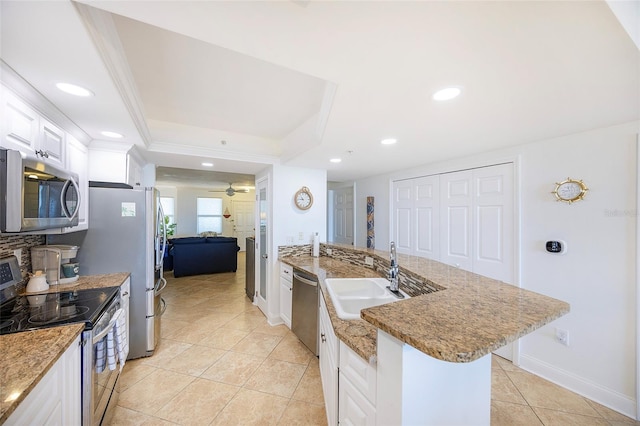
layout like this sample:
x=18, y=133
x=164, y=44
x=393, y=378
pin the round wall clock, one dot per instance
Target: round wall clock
x=570, y=190
x=303, y=198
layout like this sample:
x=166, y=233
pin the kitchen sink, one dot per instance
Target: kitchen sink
x=351, y=295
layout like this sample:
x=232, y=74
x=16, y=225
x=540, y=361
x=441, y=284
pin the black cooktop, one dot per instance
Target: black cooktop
x=35, y=311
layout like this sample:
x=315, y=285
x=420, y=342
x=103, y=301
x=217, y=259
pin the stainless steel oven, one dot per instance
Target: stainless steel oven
x=100, y=385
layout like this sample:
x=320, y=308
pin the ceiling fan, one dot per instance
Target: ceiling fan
x=230, y=191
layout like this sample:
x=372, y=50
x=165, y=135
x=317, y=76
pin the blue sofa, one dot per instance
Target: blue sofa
x=203, y=255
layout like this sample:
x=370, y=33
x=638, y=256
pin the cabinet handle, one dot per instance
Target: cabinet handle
x=126, y=293
x=42, y=153
x=323, y=337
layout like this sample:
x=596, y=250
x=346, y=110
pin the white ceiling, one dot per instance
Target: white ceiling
x=302, y=82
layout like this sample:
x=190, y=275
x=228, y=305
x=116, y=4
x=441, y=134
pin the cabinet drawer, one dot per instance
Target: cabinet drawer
x=361, y=374
x=286, y=271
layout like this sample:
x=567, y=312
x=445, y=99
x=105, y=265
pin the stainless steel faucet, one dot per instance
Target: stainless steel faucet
x=394, y=279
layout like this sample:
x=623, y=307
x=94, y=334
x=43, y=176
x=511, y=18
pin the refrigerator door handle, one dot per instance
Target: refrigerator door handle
x=161, y=243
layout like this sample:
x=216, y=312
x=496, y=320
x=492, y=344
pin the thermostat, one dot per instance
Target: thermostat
x=556, y=247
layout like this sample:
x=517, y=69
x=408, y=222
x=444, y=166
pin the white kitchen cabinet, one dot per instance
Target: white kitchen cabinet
x=56, y=399
x=357, y=389
x=329, y=358
x=20, y=124
x=355, y=409
x=52, y=144
x=116, y=163
x=286, y=293
x=25, y=130
x=78, y=162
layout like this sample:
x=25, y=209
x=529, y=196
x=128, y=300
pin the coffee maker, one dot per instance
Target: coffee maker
x=56, y=262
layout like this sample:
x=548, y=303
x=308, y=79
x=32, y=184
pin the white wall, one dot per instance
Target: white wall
x=186, y=212
x=288, y=222
x=377, y=187
x=597, y=274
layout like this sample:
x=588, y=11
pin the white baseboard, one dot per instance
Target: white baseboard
x=604, y=396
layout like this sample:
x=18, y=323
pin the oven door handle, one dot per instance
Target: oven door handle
x=103, y=333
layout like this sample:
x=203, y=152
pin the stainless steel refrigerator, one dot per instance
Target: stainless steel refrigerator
x=126, y=234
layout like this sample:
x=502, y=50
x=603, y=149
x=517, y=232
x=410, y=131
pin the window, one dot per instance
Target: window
x=168, y=206
x=209, y=211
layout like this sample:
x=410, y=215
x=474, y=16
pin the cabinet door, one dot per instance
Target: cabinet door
x=134, y=172
x=328, y=354
x=78, y=162
x=56, y=399
x=52, y=143
x=285, y=301
x=354, y=407
x=20, y=125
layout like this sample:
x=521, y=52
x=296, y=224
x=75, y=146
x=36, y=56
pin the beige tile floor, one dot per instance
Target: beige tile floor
x=220, y=363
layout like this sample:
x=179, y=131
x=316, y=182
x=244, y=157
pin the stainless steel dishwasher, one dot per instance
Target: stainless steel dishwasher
x=304, y=310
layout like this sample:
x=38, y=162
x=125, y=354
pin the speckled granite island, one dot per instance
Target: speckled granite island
x=26, y=357
x=442, y=335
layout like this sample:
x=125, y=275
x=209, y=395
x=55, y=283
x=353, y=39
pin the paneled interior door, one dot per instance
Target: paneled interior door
x=243, y=221
x=343, y=215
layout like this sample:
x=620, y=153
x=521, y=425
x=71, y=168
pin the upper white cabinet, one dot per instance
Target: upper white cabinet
x=116, y=163
x=25, y=130
x=20, y=124
x=51, y=144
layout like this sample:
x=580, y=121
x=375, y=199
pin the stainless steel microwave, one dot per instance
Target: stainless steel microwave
x=35, y=196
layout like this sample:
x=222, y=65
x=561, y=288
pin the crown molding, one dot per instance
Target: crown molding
x=105, y=37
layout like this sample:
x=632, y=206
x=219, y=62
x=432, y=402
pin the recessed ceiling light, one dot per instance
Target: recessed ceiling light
x=447, y=93
x=73, y=89
x=207, y=164
x=336, y=160
x=113, y=135
x=388, y=141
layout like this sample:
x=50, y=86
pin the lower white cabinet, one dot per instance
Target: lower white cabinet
x=56, y=399
x=357, y=389
x=286, y=293
x=329, y=357
x=350, y=391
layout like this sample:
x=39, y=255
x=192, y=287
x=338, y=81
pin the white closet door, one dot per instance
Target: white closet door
x=402, y=216
x=426, y=209
x=343, y=215
x=456, y=200
x=494, y=222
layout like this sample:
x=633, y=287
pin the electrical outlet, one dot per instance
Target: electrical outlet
x=329, y=252
x=562, y=336
x=368, y=260
x=18, y=253
x=301, y=236
x=289, y=239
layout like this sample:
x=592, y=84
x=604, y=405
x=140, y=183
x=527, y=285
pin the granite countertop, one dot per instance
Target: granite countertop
x=26, y=357
x=91, y=281
x=469, y=317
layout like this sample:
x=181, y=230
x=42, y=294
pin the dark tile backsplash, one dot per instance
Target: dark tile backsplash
x=9, y=243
